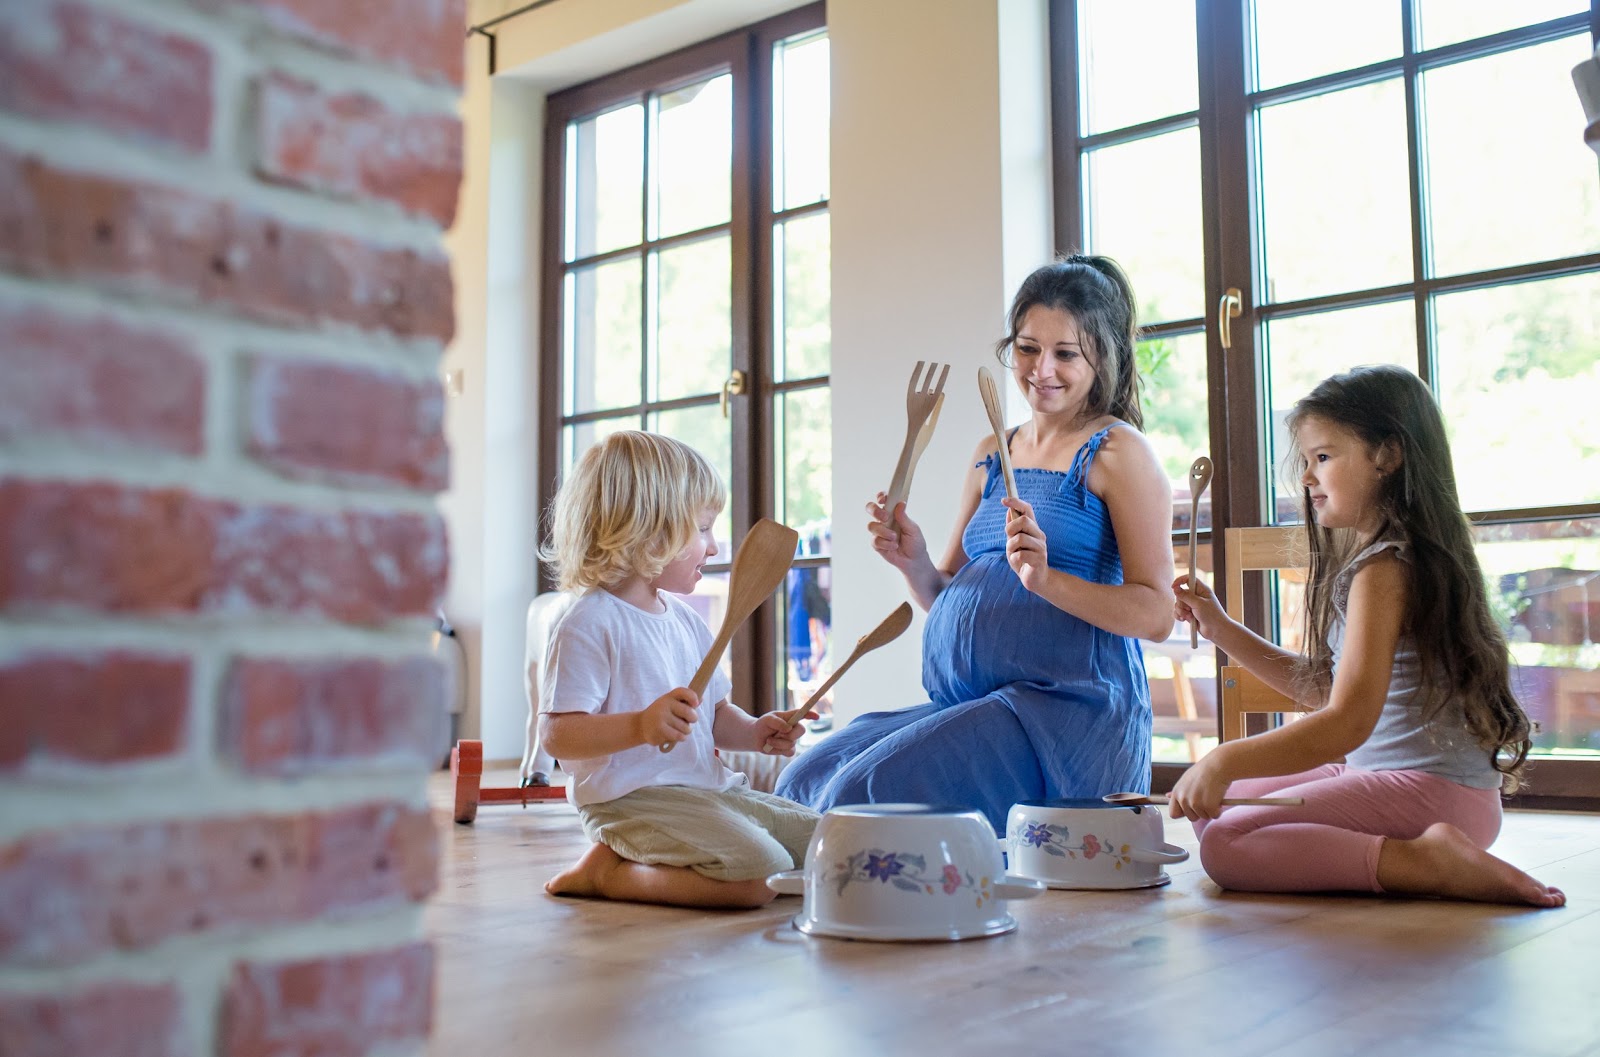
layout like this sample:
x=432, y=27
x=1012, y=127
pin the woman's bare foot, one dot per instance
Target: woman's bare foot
x=1443, y=862
x=586, y=877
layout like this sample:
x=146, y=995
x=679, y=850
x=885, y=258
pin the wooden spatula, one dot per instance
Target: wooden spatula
x=892, y=627
x=763, y=559
x=997, y=421
x=1199, y=479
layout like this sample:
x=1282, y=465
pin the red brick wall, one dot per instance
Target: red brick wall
x=223, y=302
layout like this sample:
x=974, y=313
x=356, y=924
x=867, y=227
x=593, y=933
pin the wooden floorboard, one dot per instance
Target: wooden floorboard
x=1186, y=969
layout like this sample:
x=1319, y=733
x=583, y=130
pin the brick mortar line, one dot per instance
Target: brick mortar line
x=37, y=805
x=416, y=358
x=241, y=481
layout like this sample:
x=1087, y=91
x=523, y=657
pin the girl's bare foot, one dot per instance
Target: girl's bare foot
x=586, y=877
x=1443, y=862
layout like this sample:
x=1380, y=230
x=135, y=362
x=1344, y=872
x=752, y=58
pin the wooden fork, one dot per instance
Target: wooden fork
x=923, y=401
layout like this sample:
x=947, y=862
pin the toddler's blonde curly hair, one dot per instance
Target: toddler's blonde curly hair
x=628, y=508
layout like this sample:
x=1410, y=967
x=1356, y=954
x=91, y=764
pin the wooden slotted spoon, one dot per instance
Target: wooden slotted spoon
x=760, y=566
x=997, y=421
x=1199, y=480
x=1143, y=798
x=891, y=628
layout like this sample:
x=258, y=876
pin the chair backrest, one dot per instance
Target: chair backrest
x=1269, y=548
x=544, y=612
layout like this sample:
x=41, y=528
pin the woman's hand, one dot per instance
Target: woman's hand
x=1027, y=550
x=1197, y=604
x=1200, y=790
x=669, y=718
x=901, y=544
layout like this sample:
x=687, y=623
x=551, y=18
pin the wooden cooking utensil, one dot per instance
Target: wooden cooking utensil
x=1142, y=798
x=763, y=559
x=1199, y=479
x=891, y=628
x=923, y=400
x=997, y=421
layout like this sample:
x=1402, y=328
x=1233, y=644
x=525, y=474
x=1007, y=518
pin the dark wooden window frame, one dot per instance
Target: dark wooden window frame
x=1229, y=225
x=746, y=55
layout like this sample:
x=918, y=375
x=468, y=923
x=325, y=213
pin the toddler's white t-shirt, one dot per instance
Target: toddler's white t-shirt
x=608, y=656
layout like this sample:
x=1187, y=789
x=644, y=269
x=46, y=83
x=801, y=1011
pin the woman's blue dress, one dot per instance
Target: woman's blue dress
x=1028, y=701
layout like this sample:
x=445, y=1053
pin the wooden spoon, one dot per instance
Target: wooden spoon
x=1143, y=798
x=997, y=422
x=760, y=566
x=886, y=632
x=1199, y=480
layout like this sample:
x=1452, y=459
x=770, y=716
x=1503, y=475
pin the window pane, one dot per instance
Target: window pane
x=803, y=461
x=706, y=431
x=1177, y=419
x=692, y=144
x=1303, y=350
x=1136, y=61
x=1183, y=681
x=1296, y=41
x=801, y=301
x=807, y=627
x=710, y=600
x=605, y=170
x=693, y=320
x=602, y=336
x=579, y=438
x=1143, y=208
x=800, y=100
x=1519, y=371
x=1544, y=587
x=1527, y=192
x=1336, y=218
x=1441, y=22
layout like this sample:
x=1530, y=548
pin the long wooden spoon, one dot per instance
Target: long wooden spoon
x=997, y=422
x=891, y=628
x=1142, y=798
x=763, y=559
x=1199, y=480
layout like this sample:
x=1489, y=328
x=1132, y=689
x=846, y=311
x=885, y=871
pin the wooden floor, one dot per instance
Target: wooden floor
x=1182, y=970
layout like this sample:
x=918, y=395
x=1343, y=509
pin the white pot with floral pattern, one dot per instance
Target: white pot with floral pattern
x=903, y=872
x=1088, y=844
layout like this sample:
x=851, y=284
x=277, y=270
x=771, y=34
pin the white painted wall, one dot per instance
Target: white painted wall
x=940, y=203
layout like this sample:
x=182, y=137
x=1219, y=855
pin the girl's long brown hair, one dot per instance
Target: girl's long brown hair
x=1460, y=648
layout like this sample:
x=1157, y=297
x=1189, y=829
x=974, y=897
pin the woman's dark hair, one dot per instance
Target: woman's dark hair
x=1098, y=295
x=1460, y=648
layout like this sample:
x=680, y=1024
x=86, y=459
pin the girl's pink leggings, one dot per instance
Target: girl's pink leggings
x=1332, y=843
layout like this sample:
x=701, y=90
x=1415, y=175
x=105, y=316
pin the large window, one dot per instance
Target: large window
x=686, y=292
x=1398, y=181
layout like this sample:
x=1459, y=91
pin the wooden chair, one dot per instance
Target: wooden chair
x=1271, y=548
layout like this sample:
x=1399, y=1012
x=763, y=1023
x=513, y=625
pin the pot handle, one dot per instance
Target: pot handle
x=788, y=883
x=1013, y=887
x=1165, y=853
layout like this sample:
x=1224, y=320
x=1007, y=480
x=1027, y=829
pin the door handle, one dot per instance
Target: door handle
x=1229, y=308
x=734, y=386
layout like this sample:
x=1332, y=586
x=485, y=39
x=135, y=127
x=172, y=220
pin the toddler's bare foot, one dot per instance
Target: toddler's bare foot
x=585, y=877
x=1443, y=862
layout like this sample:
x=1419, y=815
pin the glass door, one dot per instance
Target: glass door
x=1383, y=181
x=686, y=293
